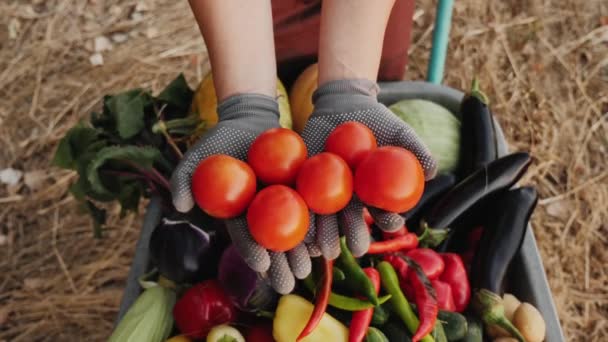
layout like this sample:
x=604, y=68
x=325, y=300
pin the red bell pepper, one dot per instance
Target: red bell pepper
x=455, y=275
x=430, y=261
x=361, y=319
x=445, y=299
x=401, y=243
x=202, y=307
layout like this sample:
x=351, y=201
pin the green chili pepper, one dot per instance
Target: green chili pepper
x=342, y=302
x=400, y=305
x=355, y=274
x=338, y=275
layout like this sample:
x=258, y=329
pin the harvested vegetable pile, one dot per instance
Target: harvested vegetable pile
x=546, y=80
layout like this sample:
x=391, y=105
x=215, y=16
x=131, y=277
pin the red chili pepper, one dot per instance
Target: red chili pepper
x=430, y=261
x=260, y=333
x=361, y=319
x=391, y=235
x=405, y=242
x=202, y=307
x=426, y=301
x=455, y=275
x=321, y=301
x=367, y=217
x=445, y=299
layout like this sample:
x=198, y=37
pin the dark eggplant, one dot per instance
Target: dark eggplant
x=432, y=190
x=180, y=249
x=478, y=146
x=498, y=246
x=498, y=175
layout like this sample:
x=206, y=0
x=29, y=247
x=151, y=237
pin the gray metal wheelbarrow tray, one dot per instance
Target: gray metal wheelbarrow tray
x=529, y=279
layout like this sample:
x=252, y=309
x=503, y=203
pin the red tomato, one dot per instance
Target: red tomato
x=223, y=186
x=278, y=218
x=326, y=183
x=390, y=178
x=351, y=141
x=260, y=333
x=276, y=155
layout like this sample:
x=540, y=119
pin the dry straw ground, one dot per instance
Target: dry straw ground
x=543, y=62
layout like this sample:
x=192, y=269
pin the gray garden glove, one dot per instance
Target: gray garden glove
x=337, y=102
x=241, y=119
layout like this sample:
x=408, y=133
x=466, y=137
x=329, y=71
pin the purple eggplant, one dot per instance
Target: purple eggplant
x=248, y=290
x=180, y=251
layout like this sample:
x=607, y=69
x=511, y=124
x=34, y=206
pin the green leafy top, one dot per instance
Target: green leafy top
x=118, y=155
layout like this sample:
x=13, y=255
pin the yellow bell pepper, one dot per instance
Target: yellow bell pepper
x=293, y=313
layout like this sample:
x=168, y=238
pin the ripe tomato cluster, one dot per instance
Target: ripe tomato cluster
x=389, y=178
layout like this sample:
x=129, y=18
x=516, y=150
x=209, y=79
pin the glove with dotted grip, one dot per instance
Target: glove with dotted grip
x=242, y=118
x=337, y=102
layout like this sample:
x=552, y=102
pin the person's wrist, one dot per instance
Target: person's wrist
x=248, y=106
x=345, y=95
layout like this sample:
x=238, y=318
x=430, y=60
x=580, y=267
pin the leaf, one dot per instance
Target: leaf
x=177, y=93
x=139, y=157
x=128, y=111
x=98, y=215
x=78, y=141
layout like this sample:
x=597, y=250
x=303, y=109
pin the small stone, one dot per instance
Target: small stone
x=137, y=16
x=559, y=209
x=3, y=240
x=96, y=59
x=119, y=38
x=10, y=176
x=102, y=43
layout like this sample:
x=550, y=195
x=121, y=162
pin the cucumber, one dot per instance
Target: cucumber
x=396, y=332
x=454, y=324
x=375, y=335
x=381, y=315
x=438, y=332
x=474, y=331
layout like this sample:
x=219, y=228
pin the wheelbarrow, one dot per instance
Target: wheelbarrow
x=527, y=272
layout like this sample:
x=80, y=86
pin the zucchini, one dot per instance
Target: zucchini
x=454, y=324
x=396, y=332
x=474, y=331
x=380, y=316
x=438, y=333
x=375, y=335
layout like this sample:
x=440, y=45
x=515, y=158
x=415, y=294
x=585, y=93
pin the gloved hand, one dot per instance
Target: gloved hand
x=337, y=102
x=241, y=119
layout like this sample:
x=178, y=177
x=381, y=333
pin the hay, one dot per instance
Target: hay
x=544, y=64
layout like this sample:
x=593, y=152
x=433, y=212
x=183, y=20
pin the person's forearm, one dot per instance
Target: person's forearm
x=239, y=38
x=352, y=32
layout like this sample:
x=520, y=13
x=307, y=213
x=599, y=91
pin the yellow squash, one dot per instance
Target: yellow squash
x=205, y=103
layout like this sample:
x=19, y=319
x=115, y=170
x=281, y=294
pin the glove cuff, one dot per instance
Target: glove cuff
x=252, y=106
x=342, y=94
